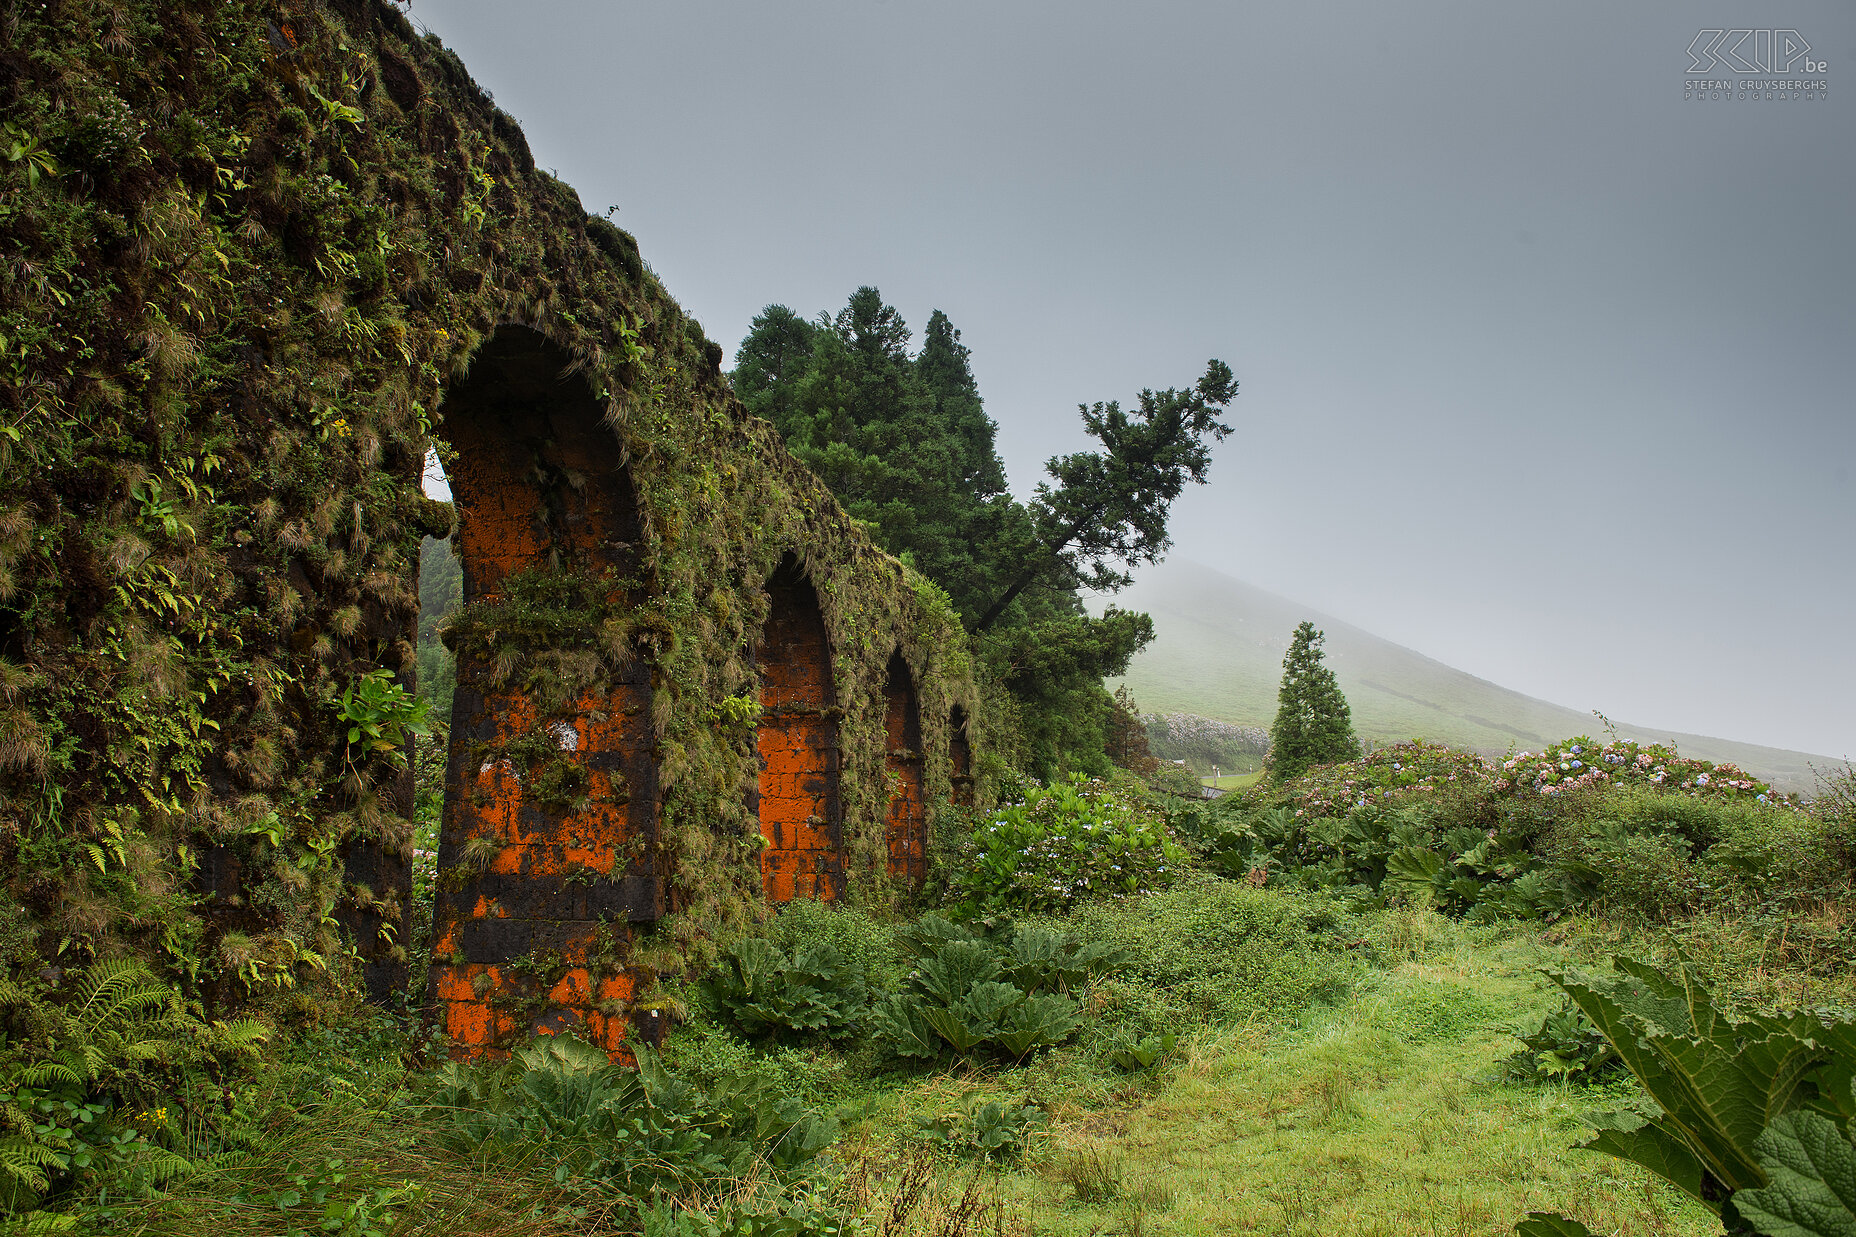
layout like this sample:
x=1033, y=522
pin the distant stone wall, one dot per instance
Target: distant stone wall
x=1189, y=728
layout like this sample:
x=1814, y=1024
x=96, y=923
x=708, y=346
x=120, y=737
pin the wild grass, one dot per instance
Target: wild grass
x=1380, y=1114
x=1380, y=1111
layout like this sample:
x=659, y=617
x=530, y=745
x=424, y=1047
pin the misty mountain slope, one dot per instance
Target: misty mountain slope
x=1219, y=649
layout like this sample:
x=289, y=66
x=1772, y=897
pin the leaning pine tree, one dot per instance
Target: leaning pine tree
x=1313, y=724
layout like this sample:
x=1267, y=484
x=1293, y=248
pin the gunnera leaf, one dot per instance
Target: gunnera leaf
x=899, y=1019
x=1813, y=1170
x=1661, y=1149
x=1040, y=1022
x=954, y=968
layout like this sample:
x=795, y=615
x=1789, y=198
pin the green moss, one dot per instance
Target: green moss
x=230, y=322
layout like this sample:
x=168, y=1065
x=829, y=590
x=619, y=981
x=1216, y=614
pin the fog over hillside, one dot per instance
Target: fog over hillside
x=1219, y=649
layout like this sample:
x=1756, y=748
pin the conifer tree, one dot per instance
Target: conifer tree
x=775, y=355
x=945, y=368
x=904, y=442
x=1313, y=726
x=906, y=445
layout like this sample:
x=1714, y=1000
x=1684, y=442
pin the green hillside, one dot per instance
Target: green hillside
x=1219, y=649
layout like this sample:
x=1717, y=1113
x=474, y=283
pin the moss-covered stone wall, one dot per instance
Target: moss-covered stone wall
x=256, y=259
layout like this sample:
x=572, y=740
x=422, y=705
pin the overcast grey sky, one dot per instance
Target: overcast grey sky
x=1547, y=372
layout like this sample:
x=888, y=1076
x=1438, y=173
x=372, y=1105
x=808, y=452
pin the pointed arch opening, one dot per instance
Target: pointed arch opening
x=797, y=737
x=551, y=794
x=907, y=821
x=959, y=757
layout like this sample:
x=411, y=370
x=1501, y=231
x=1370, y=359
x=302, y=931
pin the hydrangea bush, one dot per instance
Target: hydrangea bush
x=1580, y=762
x=1385, y=776
x=1415, y=771
x=1633, y=825
x=1064, y=842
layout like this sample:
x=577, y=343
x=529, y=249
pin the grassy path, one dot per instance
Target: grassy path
x=1381, y=1116
x=1233, y=781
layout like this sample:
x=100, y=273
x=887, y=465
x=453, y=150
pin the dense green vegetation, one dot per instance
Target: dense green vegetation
x=1203, y=744
x=1308, y=1027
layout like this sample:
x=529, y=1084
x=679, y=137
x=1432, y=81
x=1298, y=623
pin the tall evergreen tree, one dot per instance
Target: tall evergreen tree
x=946, y=372
x=1313, y=726
x=771, y=361
x=903, y=441
x=906, y=445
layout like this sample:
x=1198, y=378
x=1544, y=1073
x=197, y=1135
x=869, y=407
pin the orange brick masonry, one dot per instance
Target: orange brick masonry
x=798, y=743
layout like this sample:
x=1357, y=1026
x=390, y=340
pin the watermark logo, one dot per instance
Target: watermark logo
x=1752, y=51
x=1766, y=65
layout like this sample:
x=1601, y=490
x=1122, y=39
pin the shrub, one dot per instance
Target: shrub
x=813, y=973
x=1566, y=1046
x=990, y=1130
x=767, y=992
x=1581, y=762
x=1660, y=854
x=705, y=1052
x=867, y=941
x=630, y=1134
x=1004, y=994
x=1402, y=850
x=1403, y=772
x=1646, y=874
x=1522, y=793
x=1067, y=841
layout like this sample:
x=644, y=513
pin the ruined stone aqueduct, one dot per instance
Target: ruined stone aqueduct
x=274, y=253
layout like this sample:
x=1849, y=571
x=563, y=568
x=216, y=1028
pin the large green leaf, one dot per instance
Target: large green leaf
x=1836, y=1080
x=1414, y=866
x=1040, y=1022
x=950, y=972
x=987, y=1005
x=899, y=1019
x=1730, y=1088
x=951, y=1026
x=1718, y=1082
x=1813, y=1171
x=1649, y=1143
